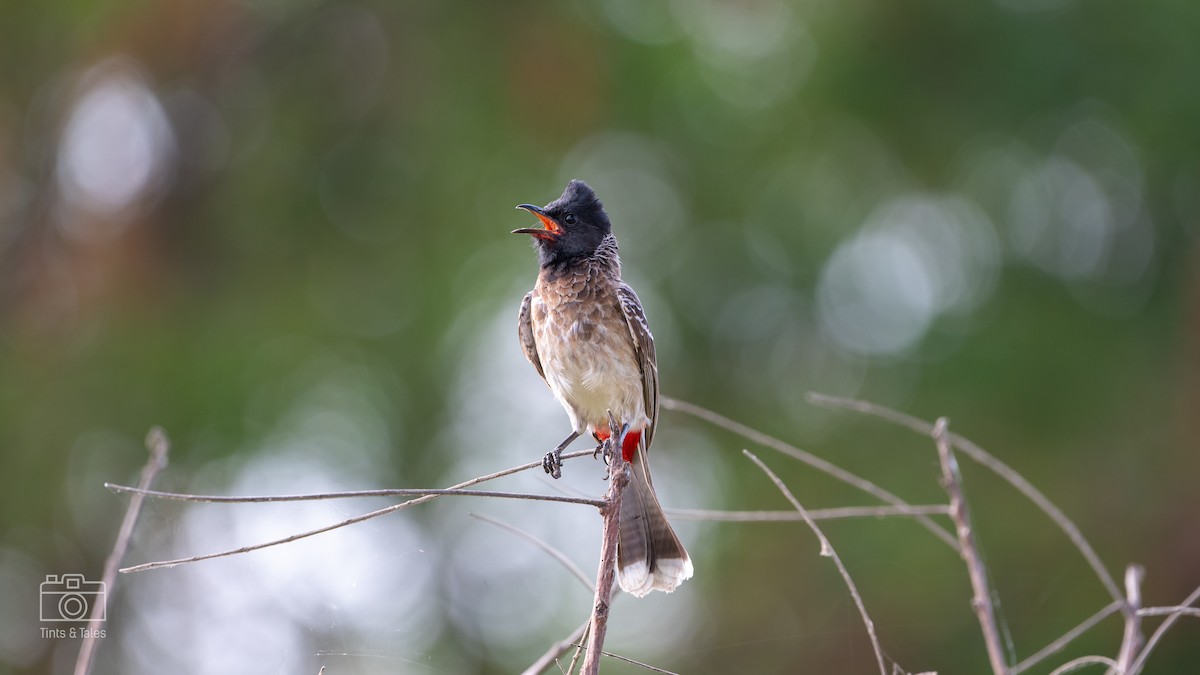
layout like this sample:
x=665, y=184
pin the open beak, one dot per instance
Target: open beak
x=550, y=228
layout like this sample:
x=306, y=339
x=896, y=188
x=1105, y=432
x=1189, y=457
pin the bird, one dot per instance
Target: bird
x=585, y=332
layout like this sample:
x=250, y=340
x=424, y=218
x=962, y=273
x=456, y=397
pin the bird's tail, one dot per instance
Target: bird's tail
x=649, y=555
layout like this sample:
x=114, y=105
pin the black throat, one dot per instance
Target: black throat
x=555, y=263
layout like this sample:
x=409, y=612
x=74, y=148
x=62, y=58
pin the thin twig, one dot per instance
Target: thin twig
x=1164, y=611
x=1083, y=662
x=805, y=457
x=1131, y=641
x=646, y=666
x=349, y=521
x=607, y=573
x=827, y=551
x=587, y=629
x=1190, y=600
x=998, y=467
x=542, y=544
x=1057, y=645
x=981, y=599
x=557, y=649
x=391, y=492
x=158, y=446
x=815, y=514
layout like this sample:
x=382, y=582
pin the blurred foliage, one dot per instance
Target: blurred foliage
x=266, y=225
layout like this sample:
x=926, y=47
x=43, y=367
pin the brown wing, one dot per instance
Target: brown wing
x=643, y=346
x=525, y=332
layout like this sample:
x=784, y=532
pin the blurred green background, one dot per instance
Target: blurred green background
x=280, y=230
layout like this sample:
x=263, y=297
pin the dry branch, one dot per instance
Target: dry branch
x=1162, y=629
x=542, y=544
x=827, y=551
x=808, y=458
x=1130, y=659
x=587, y=629
x=639, y=664
x=1166, y=611
x=991, y=462
x=816, y=514
x=1083, y=662
x=1065, y=639
x=344, y=523
x=557, y=649
x=1131, y=642
x=159, y=446
x=981, y=600
x=607, y=573
x=320, y=496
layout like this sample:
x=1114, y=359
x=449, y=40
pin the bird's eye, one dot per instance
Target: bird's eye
x=570, y=219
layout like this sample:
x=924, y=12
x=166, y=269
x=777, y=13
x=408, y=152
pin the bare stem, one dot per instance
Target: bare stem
x=1166, y=611
x=808, y=458
x=607, y=573
x=815, y=514
x=557, y=649
x=159, y=446
x=995, y=465
x=639, y=664
x=587, y=629
x=391, y=492
x=1083, y=662
x=542, y=544
x=1057, y=645
x=1131, y=642
x=827, y=551
x=982, y=594
x=349, y=521
x=1163, y=627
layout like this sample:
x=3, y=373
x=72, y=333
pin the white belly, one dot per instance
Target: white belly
x=600, y=374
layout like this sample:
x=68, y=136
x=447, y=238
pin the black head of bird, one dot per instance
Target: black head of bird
x=573, y=225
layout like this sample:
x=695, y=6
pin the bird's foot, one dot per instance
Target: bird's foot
x=552, y=463
x=603, y=450
x=608, y=447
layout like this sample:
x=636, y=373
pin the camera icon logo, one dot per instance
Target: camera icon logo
x=72, y=597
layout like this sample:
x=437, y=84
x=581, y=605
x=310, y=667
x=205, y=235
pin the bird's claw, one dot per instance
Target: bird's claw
x=616, y=437
x=552, y=463
x=608, y=446
x=604, y=450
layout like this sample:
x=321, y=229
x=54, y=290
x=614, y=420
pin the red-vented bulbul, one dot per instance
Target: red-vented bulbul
x=585, y=332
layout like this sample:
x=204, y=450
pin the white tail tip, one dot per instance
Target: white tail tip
x=637, y=580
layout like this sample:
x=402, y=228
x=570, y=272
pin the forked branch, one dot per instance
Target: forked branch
x=990, y=461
